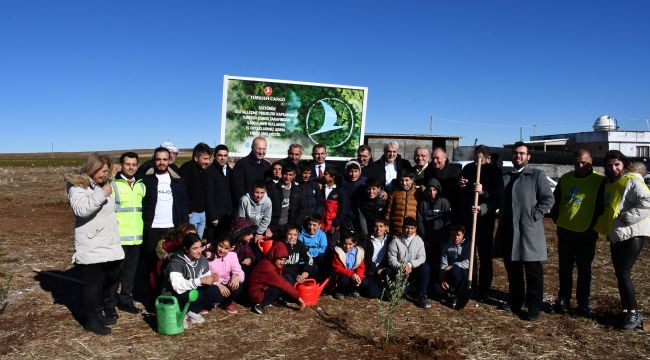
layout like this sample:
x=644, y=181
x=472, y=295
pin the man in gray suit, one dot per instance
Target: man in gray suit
x=527, y=196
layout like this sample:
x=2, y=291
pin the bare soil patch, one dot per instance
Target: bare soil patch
x=40, y=322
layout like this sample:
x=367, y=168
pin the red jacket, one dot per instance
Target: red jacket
x=338, y=263
x=265, y=275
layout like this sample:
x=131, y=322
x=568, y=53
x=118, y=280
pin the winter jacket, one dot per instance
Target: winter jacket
x=455, y=255
x=246, y=171
x=401, y=204
x=534, y=198
x=227, y=266
x=403, y=250
x=194, y=178
x=259, y=214
x=366, y=211
x=183, y=274
x=97, y=232
x=299, y=255
x=297, y=208
x=338, y=263
x=488, y=200
x=335, y=209
x=218, y=202
x=266, y=274
x=450, y=190
x=434, y=215
x=180, y=209
x=312, y=197
x=630, y=217
x=316, y=244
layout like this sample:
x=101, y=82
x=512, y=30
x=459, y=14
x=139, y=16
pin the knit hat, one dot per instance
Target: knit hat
x=352, y=163
x=242, y=226
x=170, y=146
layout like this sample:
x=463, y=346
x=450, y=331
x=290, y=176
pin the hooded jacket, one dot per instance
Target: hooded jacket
x=433, y=215
x=266, y=274
x=316, y=244
x=401, y=204
x=97, y=232
x=183, y=274
x=630, y=216
x=259, y=214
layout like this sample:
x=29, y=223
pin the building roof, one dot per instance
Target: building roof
x=411, y=136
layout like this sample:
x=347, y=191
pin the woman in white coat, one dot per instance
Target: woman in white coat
x=96, y=240
x=626, y=224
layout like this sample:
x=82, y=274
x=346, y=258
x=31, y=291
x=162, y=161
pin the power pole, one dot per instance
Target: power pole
x=521, y=133
x=431, y=125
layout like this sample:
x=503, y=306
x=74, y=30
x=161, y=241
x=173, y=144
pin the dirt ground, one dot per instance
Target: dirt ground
x=39, y=322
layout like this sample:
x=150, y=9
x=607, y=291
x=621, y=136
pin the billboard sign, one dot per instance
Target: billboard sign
x=287, y=112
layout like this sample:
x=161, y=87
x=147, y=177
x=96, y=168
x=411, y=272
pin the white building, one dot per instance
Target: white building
x=606, y=136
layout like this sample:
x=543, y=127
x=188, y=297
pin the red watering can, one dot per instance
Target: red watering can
x=310, y=291
x=265, y=245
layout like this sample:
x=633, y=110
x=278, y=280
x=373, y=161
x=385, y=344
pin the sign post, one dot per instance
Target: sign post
x=288, y=112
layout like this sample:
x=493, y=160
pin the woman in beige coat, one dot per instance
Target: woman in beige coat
x=96, y=241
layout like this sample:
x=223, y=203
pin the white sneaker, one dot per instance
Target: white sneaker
x=195, y=318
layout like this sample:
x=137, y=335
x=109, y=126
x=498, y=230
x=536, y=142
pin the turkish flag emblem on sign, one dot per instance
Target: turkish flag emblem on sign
x=268, y=90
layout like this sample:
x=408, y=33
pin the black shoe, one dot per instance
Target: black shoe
x=129, y=307
x=422, y=302
x=95, y=325
x=338, y=296
x=583, y=311
x=110, y=316
x=532, y=315
x=561, y=306
x=631, y=321
x=258, y=309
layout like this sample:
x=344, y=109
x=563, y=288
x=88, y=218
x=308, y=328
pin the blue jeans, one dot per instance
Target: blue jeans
x=198, y=219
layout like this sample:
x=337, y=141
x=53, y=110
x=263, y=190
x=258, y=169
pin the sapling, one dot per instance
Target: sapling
x=393, y=295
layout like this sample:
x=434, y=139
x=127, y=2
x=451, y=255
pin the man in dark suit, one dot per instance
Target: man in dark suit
x=218, y=202
x=390, y=164
x=319, y=163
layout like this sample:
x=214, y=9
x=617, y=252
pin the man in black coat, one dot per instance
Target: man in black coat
x=447, y=175
x=218, y=202
x=319, y=163
x=164, y=206
x=389, y=165
x=249, y=169
x=294, y=153
x=193, y=172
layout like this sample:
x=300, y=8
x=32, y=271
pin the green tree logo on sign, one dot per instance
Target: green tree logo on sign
x=329, y=121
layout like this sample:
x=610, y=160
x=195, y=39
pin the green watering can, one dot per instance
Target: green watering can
x=170, y=318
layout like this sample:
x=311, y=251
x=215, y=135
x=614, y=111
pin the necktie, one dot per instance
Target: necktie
x=320, y=171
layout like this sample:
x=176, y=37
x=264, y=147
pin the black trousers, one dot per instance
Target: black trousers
x=126, y=278
x=485, y=249
x=624, y=254
x=575, y=249
x=529, y=288
x=99, y=285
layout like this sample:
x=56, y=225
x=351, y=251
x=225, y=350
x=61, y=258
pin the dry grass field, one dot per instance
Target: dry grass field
x=36, y=232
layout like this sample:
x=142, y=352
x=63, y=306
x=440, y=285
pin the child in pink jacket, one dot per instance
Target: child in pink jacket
x=225, y=263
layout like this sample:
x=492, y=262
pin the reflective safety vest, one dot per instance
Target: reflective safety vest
x=578, y=200
x=128, y=210
x=612, y=201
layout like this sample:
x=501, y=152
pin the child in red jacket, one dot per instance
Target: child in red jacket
x=349, y=267
x=266, y=282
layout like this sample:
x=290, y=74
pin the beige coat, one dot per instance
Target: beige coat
x=96, y=233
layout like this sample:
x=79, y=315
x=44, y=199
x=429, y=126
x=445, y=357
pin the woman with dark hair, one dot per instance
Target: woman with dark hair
x=97, y=249
x=188, y=269
x=626, y=224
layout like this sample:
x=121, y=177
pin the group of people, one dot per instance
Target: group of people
x=159, y=228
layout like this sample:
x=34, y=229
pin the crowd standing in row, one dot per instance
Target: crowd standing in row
x=158, y=228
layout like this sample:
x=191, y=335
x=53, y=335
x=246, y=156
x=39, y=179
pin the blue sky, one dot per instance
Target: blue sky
x=98, y=75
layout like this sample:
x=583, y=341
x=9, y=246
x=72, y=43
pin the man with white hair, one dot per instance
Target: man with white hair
x=390, y=165
x=249, y=169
